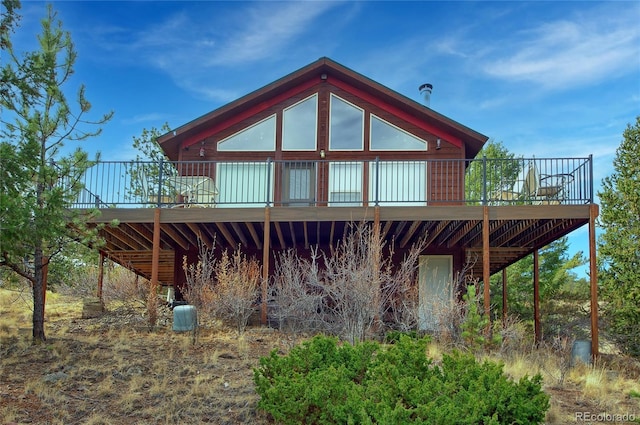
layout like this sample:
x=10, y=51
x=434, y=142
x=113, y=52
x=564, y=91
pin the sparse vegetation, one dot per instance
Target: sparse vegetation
x=212, y=380
x=354, y=291
x=226, y=288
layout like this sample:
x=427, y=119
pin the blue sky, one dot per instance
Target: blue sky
x=550, y=79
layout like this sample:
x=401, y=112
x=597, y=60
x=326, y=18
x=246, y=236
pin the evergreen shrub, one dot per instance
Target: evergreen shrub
x=324, y=382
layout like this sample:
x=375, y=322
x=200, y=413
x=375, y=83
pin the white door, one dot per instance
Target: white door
x=435, y=290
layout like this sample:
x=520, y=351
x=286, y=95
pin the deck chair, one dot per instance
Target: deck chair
x=514, y=192
x=196, y=191
x=546, y=189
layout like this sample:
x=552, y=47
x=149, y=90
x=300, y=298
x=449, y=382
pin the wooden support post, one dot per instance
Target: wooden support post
x=265, y=264
x=504, y=296
x=486, y=263
x=152, y=300
x=100, y=276
x=536, y=298
x=593, y=279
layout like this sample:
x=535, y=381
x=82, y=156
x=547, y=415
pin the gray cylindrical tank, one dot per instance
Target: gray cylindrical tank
x=185, y=318
x=581, y=351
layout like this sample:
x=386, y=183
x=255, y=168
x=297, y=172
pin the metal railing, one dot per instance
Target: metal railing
x=481, y=181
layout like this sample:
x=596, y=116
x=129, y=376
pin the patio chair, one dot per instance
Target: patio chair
x=196, y=191
x=545, y=188
x=531, y=187
x=512, y=192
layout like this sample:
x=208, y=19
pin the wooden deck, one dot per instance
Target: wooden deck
x=514, y=231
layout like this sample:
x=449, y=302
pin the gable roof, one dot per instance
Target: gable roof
x=323, y=69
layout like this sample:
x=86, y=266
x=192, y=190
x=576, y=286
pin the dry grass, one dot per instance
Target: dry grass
x=113, y=370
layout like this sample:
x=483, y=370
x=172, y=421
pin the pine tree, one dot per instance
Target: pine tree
x=38, y=180
x=619, y=243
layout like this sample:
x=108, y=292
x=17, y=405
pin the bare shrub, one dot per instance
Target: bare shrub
x=124, y=289
x=85, y=284
x=225, y=289
x=296, y=294
x=352, y=282
x=358, y=291
x=237, y=288
x=199, y=289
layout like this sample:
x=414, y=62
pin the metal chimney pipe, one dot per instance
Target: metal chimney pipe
x=425, y=91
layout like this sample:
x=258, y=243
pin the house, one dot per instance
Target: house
x=291, y=164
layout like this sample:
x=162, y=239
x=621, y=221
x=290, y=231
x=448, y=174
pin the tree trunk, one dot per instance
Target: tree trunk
x=38, y=297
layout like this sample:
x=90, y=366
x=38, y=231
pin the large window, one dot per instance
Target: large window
x=299, y=125
x=258, y=137
x=385, y=136
x=346, y=130
x=398, y=183
x=345, y=184
x=244, y=184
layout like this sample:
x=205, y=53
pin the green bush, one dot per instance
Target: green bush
x=321, y=382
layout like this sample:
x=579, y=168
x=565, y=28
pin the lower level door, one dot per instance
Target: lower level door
x=299, y=183
x=435, y=290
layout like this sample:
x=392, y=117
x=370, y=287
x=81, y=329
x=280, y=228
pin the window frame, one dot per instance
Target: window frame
x=248, y=128
x=315, y=129
x=373, y=116
x=330, y=132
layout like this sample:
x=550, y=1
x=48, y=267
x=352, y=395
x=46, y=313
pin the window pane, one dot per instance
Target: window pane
x=258, y=137
x=244, y=184
x=299, y=125
x=345, y=184
x=399, y=183
x=299, y=183
x=385, y=136
x=347, y=126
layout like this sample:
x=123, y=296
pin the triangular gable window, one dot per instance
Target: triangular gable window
x=259, y=137
x=387, y=137
x=347, y=125
x=299, y=125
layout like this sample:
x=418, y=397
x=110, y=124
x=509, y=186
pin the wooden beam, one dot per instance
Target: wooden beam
x=254, y=235
x=292, y=232
x=227, y=236
x=486, y=262
x=386, y=228
x=593, y=280
x=280, y=235
x=409, y=233
x=331, y=236
x=265, y=265
x=536, y=298
x=175, y=236
x=141, y=230
x=306, y=235
x=199, y=234
x=439, y=228
x=236, y=228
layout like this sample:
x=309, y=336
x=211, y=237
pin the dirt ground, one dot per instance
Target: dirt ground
x=114, y=370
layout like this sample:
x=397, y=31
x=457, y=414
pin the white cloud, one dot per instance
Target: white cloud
x=572, y=52
x=267, y=28
x=150, y=117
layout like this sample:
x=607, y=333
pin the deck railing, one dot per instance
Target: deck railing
x=482, y=181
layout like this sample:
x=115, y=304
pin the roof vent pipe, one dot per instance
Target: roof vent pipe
x=425, y=91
